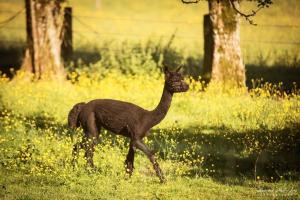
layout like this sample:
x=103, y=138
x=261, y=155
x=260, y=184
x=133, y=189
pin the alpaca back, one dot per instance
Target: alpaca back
x=117, y=116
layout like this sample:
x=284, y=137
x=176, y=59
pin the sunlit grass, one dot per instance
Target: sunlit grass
x=214, y=107
x=202, y=126
x=210, y=141
x=137, y=21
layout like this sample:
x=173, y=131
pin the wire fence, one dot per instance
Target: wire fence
x=182, y=22
x=89, y=29
x=11, y=18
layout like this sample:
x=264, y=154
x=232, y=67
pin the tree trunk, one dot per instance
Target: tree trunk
x=44, y=21
x=223, y=63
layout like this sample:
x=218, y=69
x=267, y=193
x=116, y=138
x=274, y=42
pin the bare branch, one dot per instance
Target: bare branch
x=246, y=16
x=262, y=4
x=189, y=2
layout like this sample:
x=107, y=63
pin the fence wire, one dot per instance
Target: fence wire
x=11, y=18
x=89, y=29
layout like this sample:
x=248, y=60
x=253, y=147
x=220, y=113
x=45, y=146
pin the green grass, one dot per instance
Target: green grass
x=95, y=186
x=48, y=175
x=207, y=146
x=133, y=31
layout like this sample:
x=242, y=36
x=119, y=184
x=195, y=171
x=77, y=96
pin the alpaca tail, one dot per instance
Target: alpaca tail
x=73, y=115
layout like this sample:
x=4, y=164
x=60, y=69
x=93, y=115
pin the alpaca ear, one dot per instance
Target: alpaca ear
x=179, y=68
x=166, y=70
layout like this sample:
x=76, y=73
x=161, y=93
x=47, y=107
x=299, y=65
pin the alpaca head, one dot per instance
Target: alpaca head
x=174, y=81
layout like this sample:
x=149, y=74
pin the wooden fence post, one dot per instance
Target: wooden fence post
x=29, y=61
x=208, y=47
x=67, y=43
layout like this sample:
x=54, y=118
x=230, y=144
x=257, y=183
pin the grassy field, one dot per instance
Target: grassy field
x=209, y=153
x=215, y=142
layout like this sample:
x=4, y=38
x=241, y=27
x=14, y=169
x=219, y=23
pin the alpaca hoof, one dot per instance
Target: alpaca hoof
x=163, y=180
x=129, y=172
x=93, y=169
x=129, y=168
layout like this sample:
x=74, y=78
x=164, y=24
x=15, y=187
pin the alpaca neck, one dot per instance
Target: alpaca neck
x=159, y=113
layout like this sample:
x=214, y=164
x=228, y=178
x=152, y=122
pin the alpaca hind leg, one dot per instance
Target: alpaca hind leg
x=89, y=152
x=91, y=139
x=140, y=145
x=75, y=152
x=130, y=160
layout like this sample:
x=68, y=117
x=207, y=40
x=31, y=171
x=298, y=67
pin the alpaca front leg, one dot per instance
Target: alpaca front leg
x=130, y=160
x=143, y=147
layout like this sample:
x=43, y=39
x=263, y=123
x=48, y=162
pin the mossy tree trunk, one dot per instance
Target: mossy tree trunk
x=223, y=62
x=44, y=21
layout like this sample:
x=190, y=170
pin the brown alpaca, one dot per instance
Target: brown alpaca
x=125, y=119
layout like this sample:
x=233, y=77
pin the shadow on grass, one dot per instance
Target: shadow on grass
x=218, y=152
x=222, y=153
x=288, y=75
x=283, y=70
x=11, y=57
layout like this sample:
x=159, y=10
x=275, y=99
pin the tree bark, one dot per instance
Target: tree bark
x=44, y=20
x=224, y=63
